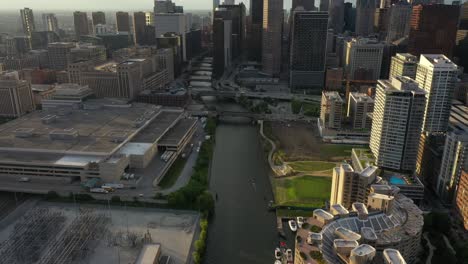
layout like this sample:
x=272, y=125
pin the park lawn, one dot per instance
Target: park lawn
x=334, y=151
x=305, y=191
x=312, y=166
x=173, y=174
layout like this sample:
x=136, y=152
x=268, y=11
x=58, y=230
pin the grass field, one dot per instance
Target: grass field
x=312, y=166
x=333, y=151
x=306, y=191
x=173, y=174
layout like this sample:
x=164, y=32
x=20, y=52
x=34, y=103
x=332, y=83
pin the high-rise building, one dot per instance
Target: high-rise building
x=59, y=54
x=454, y=161
x=129, y=78
x=437, y=76
x=255, y=36
x=222, y=40
x=164, y=6
x=308, y=5
x=149, y=18
x=365, y=10
x=123, y=21
x=336, y=11
x=397, y=122
x=99, y=18
x=16, y=97
x=50, y=22
x=403, y=64
x=308, y=50
x=360, y=105
x=323, y=5
x=349, y=186
x=27, y=18
x=363, y=55
x=172, y=23
x=80, y=20
x=139, y=23
x=433, y=29
x=331, y=111
x=349, y=17
x=399, y=16
x=461, y=198
x=381, y=23
x=464, y=17
x=272, y=36
x=238, y=30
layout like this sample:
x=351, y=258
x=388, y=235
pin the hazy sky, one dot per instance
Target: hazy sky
x=103, y=4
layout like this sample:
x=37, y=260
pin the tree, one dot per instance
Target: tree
x=205, y=203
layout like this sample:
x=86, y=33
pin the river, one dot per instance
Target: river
x=242, y=229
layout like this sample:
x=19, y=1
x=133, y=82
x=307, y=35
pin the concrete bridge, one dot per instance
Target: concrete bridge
x=254, y=116
x=258, y=95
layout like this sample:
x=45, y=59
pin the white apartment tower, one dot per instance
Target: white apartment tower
x=331, y=110
x=397, y=121
x=404, y=64
x=437, y=75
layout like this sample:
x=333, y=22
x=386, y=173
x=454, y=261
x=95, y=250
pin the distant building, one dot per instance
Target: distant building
x=336, y=15
x=365, y=17
x=99, y=18
x=27, y=19
x=433, y=29
x=349, y=17
x=397, y=121
x=334, y=79
x=172, y=23
x=16, y=98
x=222, y=53
x=256, y=25
x=461, y=198
x=437, y=76
x=272, y=36
x=50, y=22
x=123, y=21
x=363, y=54
x=403, y=64
x=308, y=50
x=308, y=5
x=80, y=20
x=171, y=98
x=139, y=24
x=331, y=111
x=360, y=105
x=399, y=15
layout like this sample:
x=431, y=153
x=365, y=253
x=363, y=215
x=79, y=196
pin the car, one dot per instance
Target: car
x=141, y=195
x=24, y=179
x=278, y=253
x=292, y=225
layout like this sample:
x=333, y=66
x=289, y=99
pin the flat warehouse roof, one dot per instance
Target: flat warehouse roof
x=160, y=125
x=178, y=132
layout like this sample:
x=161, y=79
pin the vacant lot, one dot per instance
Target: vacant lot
x=301, y=141
x=305, y=191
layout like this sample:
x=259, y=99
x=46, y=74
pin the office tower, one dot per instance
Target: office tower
x=228, y=2
x=308, y=50
x=461, y=198
x=454, y=161
x=139, y=23
x=464, y=17
x=237, y=13
x=59, y=53
x=17, y=46
x=80, y=20
x=99, y=18
x=165, y=61
x=349, y=186
x=149, y=18
x=365, y=10
x=363, y=59
x=389, y=51
x=397, y=122
x=123, y=22
x=336, y=11
x=41, y=39
x=437, y=76
x=16, y=98
x=222, y=40
x=334, y=79
x=129, y=78
x=331, y=111
x=399, y=16
x=308, y=5
x=433, y=29
x=215, y=5
x=404, y=64
x=380, y=23
x=172, y=23
x=272, y=36
x=50, y=22
x=360, y=105
x=349, y=17
x=324, y=4
x=256, y=24
x=27, y=18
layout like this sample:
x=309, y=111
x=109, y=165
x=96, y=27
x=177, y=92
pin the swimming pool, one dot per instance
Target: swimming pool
x=397, y=181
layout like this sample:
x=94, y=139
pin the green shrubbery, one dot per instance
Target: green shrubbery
x=200, y=244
